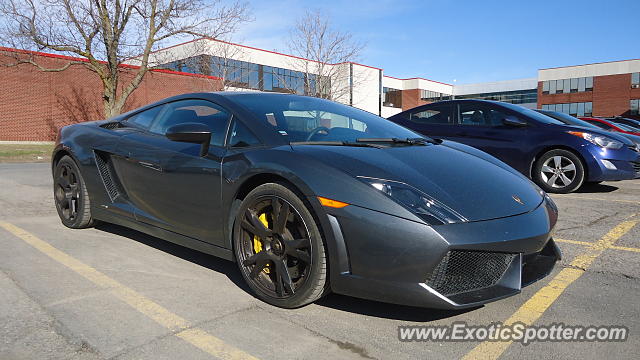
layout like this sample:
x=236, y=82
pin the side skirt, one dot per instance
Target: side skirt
x=175, y=238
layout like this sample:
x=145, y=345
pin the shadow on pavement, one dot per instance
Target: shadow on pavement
x=334, y=301
x=230, y=269
x=596, y=188
x=385, y=310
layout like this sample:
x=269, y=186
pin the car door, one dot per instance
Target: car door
x=481, y=126
x=170, y=185
x=434, y=120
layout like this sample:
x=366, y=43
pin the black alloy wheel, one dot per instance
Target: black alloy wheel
x=70, y=194
x=279, y=248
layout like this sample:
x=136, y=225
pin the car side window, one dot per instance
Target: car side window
x=472, y=115
x=241, y=136
x=144, y=118
x=434, y=115
x=195, y=111
x=496, y=118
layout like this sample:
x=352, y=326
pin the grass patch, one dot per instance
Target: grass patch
x=25, y=152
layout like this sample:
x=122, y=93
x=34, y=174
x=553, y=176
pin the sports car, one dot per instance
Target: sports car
x=310, y=196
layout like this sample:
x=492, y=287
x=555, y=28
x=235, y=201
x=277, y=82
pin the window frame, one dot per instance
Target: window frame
x=129, y=124
x=166, y=106
x=450, y=107
x=227, y=140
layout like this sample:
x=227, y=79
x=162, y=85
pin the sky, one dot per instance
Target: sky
x=464, y=41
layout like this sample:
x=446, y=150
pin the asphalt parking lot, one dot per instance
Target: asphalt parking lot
x=110, y=292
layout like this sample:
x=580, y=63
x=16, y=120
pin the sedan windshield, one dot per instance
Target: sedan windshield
x=532, y=114
x=567, y=119
x=307, y=119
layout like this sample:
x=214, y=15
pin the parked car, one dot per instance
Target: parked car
x=558, y=157
x=611, y=126
x=629, y=122
x=308, y=196
x=572, y=120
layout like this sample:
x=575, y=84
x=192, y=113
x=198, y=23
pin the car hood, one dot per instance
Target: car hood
x=476, y=188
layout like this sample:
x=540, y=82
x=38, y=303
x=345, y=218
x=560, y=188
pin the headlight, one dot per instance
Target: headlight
x=427, y=208
x=599, y=140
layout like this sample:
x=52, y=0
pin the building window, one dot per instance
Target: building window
x=635, y=107
x=564, y=86
x=514, y=97
x=574, y=109
x=243, y=74
x=635, y=80
x=392, y=97
x=428, y=95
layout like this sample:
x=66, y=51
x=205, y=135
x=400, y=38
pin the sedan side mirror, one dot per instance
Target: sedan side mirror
x=514, y=121
x=192, y=133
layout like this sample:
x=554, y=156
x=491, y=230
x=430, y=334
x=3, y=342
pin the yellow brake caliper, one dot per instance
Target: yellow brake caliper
x=257, y=242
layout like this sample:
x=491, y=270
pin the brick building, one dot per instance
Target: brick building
x=35, y=104
x=601, y=89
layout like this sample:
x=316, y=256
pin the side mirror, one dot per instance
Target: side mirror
x=514, y=121
x=192, y=133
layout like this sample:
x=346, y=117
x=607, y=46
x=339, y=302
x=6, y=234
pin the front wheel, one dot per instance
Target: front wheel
x=279, y=247
x=70, y=195
x=559, y=171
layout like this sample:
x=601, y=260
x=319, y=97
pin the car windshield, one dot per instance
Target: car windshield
x=533, y=114
x=307, y=119
x=567, y=119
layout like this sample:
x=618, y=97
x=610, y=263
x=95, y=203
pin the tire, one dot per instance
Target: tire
x=559, y=171
x=283, y=261
x=70, y=195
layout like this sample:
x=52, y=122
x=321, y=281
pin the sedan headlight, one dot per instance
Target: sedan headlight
x=427, y=208
x=602, y=141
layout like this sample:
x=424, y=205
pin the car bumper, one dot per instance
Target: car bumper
x=385, y=258
x=625, y=162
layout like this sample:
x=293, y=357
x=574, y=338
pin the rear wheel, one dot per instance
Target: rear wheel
x=70, y=195
x=559, y=171
x=279, y=248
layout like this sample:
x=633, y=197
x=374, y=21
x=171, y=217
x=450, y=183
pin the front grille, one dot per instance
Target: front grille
x=635, y=148
x=636, y=166
x=463, y=271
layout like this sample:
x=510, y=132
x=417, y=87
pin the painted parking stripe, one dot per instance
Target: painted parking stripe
x=586, y=243
x=176, y=324
x=533, y=309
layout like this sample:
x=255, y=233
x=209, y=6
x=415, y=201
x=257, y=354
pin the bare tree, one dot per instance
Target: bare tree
x=107, y=33
x=328, y=75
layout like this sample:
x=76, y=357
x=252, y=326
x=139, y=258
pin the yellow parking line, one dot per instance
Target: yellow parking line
x=533, y=309
x=586, y=243
x=624, y=248
x=176, y=324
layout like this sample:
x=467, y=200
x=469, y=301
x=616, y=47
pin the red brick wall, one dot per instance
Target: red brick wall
x=411, y=99
x=610, y=95
x=35, y=104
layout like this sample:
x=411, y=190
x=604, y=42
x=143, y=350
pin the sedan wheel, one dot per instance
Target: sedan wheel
x=279, y=248
x=559, y=171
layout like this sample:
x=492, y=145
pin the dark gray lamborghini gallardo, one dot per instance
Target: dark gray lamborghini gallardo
x=310, y=196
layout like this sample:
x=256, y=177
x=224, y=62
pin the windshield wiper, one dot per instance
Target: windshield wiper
x=338, y=143
x=408, y=141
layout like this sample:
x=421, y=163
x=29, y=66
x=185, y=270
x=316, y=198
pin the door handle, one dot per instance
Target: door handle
x=151, y=166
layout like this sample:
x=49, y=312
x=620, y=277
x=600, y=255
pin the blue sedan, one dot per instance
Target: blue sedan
x=558, y=157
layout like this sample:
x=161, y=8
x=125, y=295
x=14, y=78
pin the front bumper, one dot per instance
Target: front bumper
x=625, y=160
x=385, y=258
